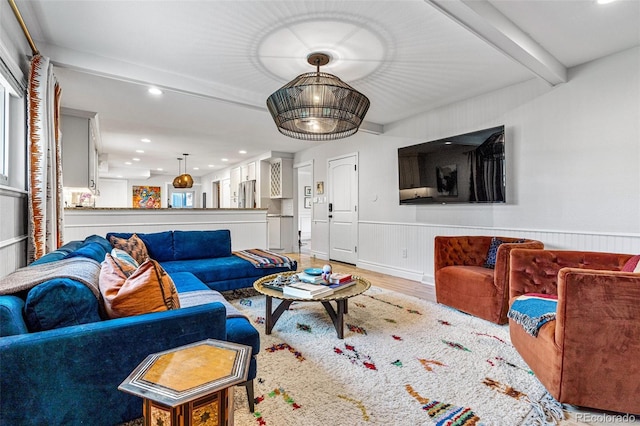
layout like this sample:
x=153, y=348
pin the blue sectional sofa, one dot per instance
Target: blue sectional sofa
x=61, y=362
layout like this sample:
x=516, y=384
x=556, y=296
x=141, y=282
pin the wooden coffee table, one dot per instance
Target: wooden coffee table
x=340, y=298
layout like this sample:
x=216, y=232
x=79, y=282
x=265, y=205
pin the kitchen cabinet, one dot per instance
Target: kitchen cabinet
x=280, y=233
x=248, y=171
x=281, y=178
x=234, y=181
x=79, y=151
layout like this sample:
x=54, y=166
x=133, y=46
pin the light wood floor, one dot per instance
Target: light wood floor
x=389, y=282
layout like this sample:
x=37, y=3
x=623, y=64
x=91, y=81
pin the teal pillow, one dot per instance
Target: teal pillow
x=91, y=250
x=60, y=302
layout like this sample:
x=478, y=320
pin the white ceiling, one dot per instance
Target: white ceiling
x=218, y=61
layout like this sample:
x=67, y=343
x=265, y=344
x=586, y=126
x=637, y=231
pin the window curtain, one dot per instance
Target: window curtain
x=486, y=167
x=44, y=159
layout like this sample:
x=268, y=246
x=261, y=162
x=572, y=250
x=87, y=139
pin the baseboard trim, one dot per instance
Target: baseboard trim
x=389, y=270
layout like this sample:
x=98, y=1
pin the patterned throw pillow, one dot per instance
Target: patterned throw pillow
x=492, y=254
x=148, y=289
x=134, y=246
x=125, y=262
x=632, y=265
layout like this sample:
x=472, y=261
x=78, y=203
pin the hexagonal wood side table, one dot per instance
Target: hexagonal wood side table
x=188, y=385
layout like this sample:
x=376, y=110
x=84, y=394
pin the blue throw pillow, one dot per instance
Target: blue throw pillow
x=91, y=250
x=492, y=253
x=60, y=302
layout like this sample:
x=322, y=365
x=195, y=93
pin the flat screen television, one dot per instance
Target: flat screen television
x=467, y=168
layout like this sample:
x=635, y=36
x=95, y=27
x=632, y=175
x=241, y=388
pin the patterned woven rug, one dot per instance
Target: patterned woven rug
x=402, y=361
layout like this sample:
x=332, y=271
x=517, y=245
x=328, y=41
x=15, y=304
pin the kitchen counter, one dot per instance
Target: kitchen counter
x=248, y=226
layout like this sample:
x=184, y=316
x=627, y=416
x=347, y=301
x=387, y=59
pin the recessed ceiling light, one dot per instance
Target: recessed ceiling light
x=196, y=168
x=159, y=169
x=224, y=159
x=128, y=163
x=155, y=91
x=145, y=140
x=140, y=151
x=242, y=151
x=211, y=165
x=119, y=176
x=135, y=159
x=605, y=1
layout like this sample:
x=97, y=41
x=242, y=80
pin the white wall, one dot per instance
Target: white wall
x=572, y=151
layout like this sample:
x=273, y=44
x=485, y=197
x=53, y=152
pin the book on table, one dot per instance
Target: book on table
x=342, y=285
x=339, y=278
x=312, y=279
x=307, y=290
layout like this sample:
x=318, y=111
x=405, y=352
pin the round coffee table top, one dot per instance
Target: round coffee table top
x=359, y=287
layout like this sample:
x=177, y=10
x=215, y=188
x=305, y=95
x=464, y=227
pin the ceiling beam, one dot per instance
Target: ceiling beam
x=484, y=20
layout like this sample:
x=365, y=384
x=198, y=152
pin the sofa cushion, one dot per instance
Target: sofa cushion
x=91, y=250
x=159, y=244
x=11, y=320
x=186, y=281
x=217, y=269
x=201, y=244
x=60, y=302
x=148, y=289
x=132, y=245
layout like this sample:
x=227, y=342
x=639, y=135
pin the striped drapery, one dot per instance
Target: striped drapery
x=44, y=159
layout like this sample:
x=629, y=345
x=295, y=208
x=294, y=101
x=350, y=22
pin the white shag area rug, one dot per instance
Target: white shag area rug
x=403, y=361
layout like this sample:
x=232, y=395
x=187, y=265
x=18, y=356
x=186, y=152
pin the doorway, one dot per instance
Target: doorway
x=215, y=194
x=305, y=204
x=343, y=208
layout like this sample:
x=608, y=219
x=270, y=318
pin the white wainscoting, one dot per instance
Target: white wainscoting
x=13, y=231
x=248, y=226
x=383, y=245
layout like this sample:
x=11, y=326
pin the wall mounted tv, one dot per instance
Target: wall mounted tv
x=468, y=168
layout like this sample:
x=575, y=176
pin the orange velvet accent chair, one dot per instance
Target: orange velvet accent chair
x=588, y=355
x=463, y=283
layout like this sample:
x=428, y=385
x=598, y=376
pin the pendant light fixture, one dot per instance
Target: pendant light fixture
x=183, y=180
x=317, y=106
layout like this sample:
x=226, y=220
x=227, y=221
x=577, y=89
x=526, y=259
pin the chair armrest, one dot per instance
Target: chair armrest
x=536, y=271
x=598, y=323
x=502, y=268
x=70, y=375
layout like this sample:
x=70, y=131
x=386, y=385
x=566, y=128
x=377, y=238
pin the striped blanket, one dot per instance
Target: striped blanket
x=533, y=310
x=265, y=259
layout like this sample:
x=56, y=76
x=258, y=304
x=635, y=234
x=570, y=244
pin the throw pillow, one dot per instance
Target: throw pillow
x=632, y=265
x=125, y=262
x=133, y=245
x=492, y=254
x=89, y=250
x=60, y=302
x=148, y=289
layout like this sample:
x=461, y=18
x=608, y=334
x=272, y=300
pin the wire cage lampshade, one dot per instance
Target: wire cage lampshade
x=317, y=106
x=183, y=180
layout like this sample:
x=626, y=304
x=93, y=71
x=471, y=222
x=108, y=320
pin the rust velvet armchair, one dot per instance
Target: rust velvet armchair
x=588, y=355
x=465, y=279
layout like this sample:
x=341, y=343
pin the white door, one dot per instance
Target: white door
x=343, y=206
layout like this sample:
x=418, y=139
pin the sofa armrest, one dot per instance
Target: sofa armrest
x=536, y=271
x=68, y=375
x=598, y=324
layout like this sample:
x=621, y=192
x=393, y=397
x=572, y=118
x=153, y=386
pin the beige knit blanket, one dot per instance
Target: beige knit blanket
x=84, y=270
